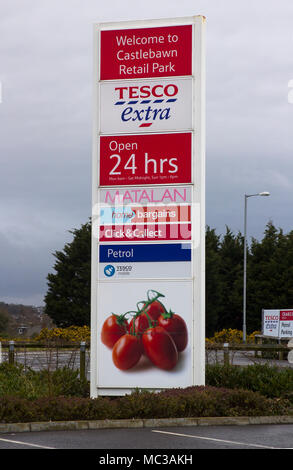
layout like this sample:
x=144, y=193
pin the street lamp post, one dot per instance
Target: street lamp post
x=246, y=196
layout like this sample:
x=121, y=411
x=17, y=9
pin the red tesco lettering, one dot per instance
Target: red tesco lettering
x=147, y=91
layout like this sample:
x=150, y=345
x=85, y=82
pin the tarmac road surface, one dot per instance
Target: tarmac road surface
x=249, y=437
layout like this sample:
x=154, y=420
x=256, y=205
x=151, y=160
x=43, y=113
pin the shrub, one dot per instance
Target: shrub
x=72, y=334
x=73, y=408
x=270, y=381
x=63, y=382
x=230, y=335
x=15, y=381
x=212, y=401
x=175, y=403
x=17, y=410
x=60, y=395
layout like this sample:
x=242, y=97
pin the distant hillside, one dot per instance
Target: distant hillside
x=22, y=320
x=19, y=311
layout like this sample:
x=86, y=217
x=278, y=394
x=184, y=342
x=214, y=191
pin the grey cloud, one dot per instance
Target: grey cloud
x=46, y=130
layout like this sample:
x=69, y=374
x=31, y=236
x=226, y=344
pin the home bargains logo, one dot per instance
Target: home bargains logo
x=146, y=105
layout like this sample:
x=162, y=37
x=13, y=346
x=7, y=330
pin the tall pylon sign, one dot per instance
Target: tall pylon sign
x=148, y=194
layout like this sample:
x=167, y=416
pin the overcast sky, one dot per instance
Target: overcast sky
x=46, y=62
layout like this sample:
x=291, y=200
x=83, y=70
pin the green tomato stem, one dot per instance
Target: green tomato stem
x=167, y=314
x=158, y=294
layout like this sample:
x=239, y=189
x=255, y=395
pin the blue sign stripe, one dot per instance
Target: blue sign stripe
x=145, y=253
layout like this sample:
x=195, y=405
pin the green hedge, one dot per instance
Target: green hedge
x=175, y=403
x=60, y=396
x=270, y=381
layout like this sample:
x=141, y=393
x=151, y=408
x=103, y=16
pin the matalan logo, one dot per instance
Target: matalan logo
x=145, y=104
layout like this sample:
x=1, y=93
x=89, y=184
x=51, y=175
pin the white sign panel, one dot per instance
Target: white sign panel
x=146, y=105
x=270, y=323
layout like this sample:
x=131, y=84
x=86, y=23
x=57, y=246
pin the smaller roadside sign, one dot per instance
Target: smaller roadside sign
x=286, y=324
x=277, y=323
x=161, y=261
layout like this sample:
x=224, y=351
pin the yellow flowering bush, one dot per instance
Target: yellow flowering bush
x=231, y=336
x=75, y=334
x=72, y=334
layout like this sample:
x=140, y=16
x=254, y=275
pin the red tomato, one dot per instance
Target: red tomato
x=160, y=348
x=155, y=309
x=113, y=328
x=176, y=327
x=127, y=351
x=139, y=324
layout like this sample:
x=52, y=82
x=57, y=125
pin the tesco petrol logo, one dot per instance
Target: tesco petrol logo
x=146, y=103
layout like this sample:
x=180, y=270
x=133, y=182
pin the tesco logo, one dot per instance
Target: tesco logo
x=146, y=103
x=147, y=91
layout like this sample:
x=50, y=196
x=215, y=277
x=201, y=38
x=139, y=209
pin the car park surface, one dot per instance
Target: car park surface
x=271, y=437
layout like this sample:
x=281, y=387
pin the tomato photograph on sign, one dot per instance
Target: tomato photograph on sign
x=145, y=159
x=145, y=335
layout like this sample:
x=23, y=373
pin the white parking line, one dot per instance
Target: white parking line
x=25, y=443
x=216, y=440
